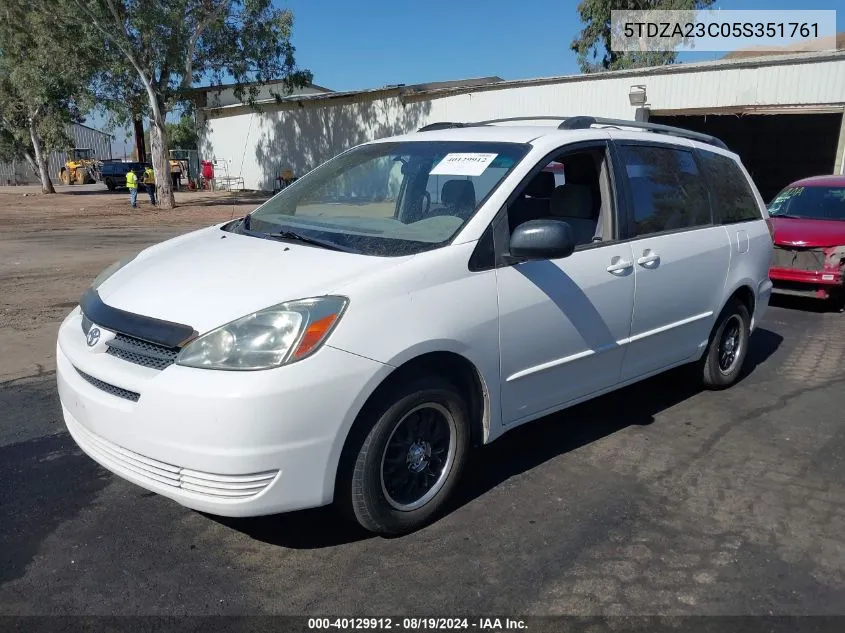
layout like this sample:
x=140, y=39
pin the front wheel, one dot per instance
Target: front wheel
x=728, y=347
x=411, y=458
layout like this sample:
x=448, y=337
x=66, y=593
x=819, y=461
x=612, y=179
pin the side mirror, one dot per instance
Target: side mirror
x=542, y=239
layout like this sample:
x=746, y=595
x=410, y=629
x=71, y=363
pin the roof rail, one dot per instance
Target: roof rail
x=585, y=122
x=521, y=118
x=442, y=125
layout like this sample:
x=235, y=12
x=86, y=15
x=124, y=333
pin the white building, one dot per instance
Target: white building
x=783, y=114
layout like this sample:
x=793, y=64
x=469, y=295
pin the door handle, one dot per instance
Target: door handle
x=649, y=257
x=619, y=266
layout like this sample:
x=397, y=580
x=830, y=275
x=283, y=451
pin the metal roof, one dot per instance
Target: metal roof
x=486, y=84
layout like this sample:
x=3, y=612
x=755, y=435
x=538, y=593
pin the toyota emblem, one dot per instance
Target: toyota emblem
x=93, y=336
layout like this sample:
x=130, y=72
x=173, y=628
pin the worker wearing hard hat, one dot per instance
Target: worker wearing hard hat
x=132, y=185
x=150, y=182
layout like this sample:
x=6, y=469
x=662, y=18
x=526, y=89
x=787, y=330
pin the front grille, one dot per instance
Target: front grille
x=798, y=258
x=109, y=388
x=134, y=350
x=233, y=487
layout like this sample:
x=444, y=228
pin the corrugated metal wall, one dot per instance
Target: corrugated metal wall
x=19, y=173
x=258, y=146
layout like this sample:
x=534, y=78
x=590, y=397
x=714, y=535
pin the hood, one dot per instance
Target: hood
x=810, y=233
x=210, y=277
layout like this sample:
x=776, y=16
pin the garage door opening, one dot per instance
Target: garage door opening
x=776, y=148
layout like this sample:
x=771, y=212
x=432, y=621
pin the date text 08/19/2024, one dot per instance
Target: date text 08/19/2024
x=416, y=624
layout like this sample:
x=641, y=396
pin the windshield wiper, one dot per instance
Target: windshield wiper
x=786, y=215
x=313, y=241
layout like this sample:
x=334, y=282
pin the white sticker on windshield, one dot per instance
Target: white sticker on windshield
x=469, y=164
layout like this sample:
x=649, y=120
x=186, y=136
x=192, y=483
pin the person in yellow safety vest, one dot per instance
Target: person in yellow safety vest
x=150, y=182
x=132, y=185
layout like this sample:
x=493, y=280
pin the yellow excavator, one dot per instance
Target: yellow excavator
x=81, y=167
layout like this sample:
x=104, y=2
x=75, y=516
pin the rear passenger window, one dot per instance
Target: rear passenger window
x=667, y=191
x=733, y=199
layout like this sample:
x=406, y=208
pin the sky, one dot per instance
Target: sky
x=359, y=45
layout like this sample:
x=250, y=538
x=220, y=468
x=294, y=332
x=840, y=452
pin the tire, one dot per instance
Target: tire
x=369, y=490
x=721, y=367
x=110, y=184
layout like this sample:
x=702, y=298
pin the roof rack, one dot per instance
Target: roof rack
x=521, y=118
x=445, y=125
x=442, y=125
x=585, y=122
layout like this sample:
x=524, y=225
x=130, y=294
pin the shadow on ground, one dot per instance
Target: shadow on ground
x=250, y=201
x=805, y=304
x=44, y=482
x=519, y=451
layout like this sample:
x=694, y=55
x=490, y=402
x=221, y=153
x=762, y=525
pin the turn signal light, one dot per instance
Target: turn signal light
x=314, y=334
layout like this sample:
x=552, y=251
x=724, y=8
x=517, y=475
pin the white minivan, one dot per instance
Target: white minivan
x=350, y=339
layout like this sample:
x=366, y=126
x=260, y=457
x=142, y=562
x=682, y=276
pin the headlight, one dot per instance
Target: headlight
x=268, y=338
x=108, y=272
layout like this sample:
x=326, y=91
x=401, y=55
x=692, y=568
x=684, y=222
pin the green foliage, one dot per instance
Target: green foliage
x=38, y=91
x=593, y=41
x=182, y=134
x=158, y=49
x=175, y=44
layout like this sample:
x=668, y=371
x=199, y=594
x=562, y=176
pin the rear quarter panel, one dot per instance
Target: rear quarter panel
x=751, y=255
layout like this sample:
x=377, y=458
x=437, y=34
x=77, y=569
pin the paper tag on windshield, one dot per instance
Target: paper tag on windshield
x=469, y=164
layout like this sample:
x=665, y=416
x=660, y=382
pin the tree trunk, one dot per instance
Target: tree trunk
x=140, y=146
x=40, y=160
x=161, y=163
x=31, y=162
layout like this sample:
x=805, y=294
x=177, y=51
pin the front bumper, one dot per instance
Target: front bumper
x=226, y=443
x=808, y=283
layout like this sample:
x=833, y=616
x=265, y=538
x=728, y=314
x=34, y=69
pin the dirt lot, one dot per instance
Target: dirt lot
x=51, y=247
x=657, y=499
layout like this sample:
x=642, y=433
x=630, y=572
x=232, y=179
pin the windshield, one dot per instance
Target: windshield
x=816, y=203
x=82, y=154
x=389, y=199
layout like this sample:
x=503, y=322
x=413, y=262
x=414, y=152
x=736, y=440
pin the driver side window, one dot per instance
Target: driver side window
x=572, y=187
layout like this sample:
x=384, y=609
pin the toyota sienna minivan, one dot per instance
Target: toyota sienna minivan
x=349, y=340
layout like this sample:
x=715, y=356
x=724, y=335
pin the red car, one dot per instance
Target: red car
x=808, y=219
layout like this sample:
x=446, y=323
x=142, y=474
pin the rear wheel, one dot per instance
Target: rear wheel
x=110, y=184
x=403, y=469
x=728, y=347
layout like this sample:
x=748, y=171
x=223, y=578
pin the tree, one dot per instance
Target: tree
x=39, y=97
x=594, y=40
x=173, y=44
x=120, y=94
x=181, y=134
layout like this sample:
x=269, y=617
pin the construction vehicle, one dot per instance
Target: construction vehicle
x=80, y=168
